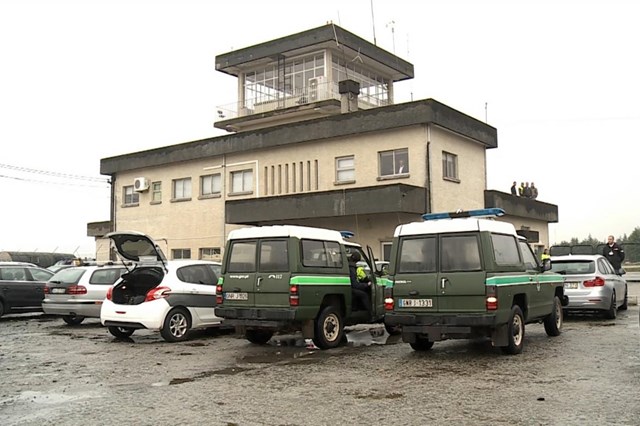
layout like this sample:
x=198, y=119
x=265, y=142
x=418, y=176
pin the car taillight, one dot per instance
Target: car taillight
x=157, y=293
x=76, y=289
x=294, y=297
x=596, y=282
x=110, y=293
x=492, y=300
x=388, y=299
x=219, y=298
x=46, y=290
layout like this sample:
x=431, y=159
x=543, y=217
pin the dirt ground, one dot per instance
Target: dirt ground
x=55, y=374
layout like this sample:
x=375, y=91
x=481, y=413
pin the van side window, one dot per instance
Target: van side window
x=505, y=249
x=459, y=253
x=242, y=257
x=418, y=255
x=274, y=256
x=321, y=253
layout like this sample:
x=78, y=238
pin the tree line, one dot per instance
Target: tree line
x=630, y=243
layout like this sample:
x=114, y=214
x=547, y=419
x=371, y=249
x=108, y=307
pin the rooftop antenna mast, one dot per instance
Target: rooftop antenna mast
x=373, y=23
x=393, y=34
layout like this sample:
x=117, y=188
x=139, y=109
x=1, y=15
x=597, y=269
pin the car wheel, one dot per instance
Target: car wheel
x=421, y=344
x=176, y=325
x=624, y=305
x=121, y=331
x=329, y=328
x=73, y=319
x=553, y=323
x=258, y=337
x=611, y=313
x=515, y=332
x=393, y=330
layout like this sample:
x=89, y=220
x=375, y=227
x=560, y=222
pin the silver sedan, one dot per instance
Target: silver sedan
x=591, y=284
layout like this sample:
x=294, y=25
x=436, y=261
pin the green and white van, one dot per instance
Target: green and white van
x=464, y=275
x=293, y=278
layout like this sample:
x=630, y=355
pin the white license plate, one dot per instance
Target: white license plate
x=236, y=296
x=415, y=303
x=571, y=285
x=58, y=290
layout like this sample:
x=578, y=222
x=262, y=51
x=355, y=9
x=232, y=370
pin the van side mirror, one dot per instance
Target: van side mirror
x=546, y=265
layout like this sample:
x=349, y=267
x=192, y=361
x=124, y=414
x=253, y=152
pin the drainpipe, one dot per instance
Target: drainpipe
x=428, y=160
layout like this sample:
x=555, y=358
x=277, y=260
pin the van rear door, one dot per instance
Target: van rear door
x=415, y=283
x=461, y=278
x=257, y=273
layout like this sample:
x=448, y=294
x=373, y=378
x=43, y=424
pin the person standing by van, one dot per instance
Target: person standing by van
x=614, y=253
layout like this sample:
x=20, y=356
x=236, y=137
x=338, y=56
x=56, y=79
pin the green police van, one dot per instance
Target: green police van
x=293, y=278
x=467, y=275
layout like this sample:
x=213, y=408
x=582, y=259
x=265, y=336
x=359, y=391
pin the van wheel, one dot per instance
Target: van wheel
x=259, y=337
x=515, y=332
x=421, y=344
x=611, y=312
x=73, y=319
x=176, y=325
x=329, y=328
x=553, y=323
x=121, y=332
x=624, y=305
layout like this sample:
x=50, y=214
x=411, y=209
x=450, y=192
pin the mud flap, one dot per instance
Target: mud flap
x=308, y=328
x=499, y=335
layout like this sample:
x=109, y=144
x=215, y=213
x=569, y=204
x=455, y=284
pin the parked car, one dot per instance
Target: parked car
x=77, y=292
x=170, y=296
x=591, y=284
x=22, y=287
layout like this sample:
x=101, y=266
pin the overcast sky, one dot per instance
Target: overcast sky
x=88, y=79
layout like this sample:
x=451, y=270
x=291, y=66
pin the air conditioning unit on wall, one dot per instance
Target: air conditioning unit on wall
x=140, y=184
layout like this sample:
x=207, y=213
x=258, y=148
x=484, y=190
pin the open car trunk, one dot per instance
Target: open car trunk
x=135, y=285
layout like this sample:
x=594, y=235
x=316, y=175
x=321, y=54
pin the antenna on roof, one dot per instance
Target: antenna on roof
x=373, y=23
x=357, y=57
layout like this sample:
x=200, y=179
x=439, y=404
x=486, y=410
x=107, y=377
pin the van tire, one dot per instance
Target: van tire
x=421, y=344
x=329, y=328
x=258, y=337
x=515, y=332
x=553, y=323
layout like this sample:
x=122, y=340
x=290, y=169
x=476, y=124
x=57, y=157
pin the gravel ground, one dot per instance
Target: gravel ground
x=55, y=374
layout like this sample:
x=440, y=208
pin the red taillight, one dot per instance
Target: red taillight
x=76, y=289
x=219, y=298
x=46, y=290
x=157, y=293
x=294, y=297
x=109, y=293
x=492, y=300
x=596, y=282
x=388, y=299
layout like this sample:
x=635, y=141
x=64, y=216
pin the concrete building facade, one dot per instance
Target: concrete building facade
x=314, y=139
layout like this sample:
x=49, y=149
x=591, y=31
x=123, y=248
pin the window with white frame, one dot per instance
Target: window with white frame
x=210, y=253
x=181, y=189
x=242, y=181
x=210, y=184
x=395, y=162
x=181, y=253
x=156, y=192
x=345, y=169
x=129, y=196
x=449, y=166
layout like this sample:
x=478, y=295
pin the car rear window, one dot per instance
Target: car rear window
x=417, y=255
x=105, y=276
x=573, y=267
x=68, y=276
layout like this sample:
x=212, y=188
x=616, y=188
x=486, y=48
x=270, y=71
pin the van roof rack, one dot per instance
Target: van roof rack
x=492, y=212
x=347, y=234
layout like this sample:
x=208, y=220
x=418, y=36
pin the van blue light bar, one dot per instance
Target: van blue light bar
x=347, y=234
x=469, y=213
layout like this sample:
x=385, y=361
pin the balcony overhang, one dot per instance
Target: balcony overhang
x=521, y=207
x=398, y=198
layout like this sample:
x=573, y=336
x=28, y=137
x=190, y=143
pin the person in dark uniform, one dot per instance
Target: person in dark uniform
x=614, y=253
x=514, y=189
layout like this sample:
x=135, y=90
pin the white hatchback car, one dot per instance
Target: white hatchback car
x=168, y=296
